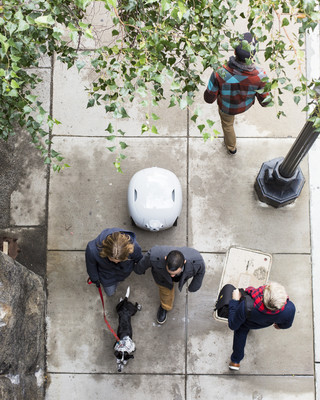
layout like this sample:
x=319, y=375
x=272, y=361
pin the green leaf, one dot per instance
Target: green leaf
x=44, y=20
x=13, y=93
x=210, y=123
x=183, y=103
x=165, y=5
x=111, y=148
x=285, y=22
x=110, y=137
x=14, y=84
x=23, y=26
x=144, y=128
x=296, y=99
x=154, y=129
x=110, y=128
x=154, y=117
x=175, y=85
x=121, y=132
x=90, y=103
x=123, y=145
x=80, y=64
x=201, y=127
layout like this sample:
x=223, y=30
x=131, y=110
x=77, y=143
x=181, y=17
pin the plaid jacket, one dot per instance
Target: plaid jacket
x=235, y=89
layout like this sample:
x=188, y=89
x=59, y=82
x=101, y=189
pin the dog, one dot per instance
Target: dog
x=125, y=347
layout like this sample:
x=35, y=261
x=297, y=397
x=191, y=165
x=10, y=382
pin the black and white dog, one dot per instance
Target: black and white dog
x=125, y=347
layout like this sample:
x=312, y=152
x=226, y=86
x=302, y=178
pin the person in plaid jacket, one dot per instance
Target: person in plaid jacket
x=235, y=87
x=271, y=307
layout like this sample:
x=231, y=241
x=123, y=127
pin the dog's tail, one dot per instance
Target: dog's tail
x=128, y=292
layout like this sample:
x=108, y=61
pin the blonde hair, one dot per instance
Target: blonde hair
x=117, y=246
x=274, y=296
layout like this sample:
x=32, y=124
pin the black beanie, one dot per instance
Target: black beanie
x=240, y=52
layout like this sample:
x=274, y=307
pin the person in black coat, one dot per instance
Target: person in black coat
x=111, y=257
x=172, y=264
x=271, y=307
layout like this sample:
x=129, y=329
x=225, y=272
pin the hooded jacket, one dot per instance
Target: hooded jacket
x=103, y=269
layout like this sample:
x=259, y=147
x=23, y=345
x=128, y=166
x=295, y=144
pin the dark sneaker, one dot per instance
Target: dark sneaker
x=234, y=366
x=161, y=316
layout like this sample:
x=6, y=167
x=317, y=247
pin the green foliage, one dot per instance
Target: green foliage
x=159, y=52
x=29, y=31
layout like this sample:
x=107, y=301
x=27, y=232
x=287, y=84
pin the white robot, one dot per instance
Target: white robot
x=154, y=199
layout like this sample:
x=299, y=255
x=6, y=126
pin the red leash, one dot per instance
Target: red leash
x=104, y=312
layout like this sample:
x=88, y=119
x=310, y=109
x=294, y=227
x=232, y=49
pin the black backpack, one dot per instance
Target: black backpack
x=225, y=295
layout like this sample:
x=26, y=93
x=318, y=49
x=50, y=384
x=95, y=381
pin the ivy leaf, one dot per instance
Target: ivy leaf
x=23, y=26
x=80, y=65
x=144, y=128
x=175, y=85
x=154, y=117
x=201, y=127
x=44, y=20
x=112, y=149
x=285, y=22
x=210, y=123
x=90, y=103
x=296, y=99
x=14, y=84
x=110, y=128
x=154, y=129
x=123, y=145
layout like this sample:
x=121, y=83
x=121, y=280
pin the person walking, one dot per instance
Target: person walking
x=169, y=265
x=111, y=257
x=271, y=306
x=235, y=87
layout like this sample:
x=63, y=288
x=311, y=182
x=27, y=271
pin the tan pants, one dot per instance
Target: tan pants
x=166, y=297
x=227, y=122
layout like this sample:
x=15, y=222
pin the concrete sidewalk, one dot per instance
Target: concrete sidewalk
x=186, y=358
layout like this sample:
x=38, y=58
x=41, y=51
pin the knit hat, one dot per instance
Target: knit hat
x=241, y=53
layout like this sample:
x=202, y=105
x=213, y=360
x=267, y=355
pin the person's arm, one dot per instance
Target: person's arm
x=137, y=253
x=145, y=263
x=211, y=93
x=237, y=314
x=287, y=321
x=197, y=278
x=92, y=266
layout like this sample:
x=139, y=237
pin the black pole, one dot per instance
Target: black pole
x=299, y=149
x=280, y=180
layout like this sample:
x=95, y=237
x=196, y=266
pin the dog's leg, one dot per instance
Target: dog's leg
x=128, y=292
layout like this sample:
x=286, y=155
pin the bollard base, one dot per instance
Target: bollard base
x=274, y=189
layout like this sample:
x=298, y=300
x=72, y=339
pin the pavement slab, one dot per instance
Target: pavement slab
x=92, y=195
x=224, y=208
x=87, y=346
x=100, y=387
x=210, y=341
x=249, y=387
x=93, y=121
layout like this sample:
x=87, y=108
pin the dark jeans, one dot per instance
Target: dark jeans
x=239, y=342
x=110, y=290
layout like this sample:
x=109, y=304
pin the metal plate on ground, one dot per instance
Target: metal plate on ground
x=243, y=268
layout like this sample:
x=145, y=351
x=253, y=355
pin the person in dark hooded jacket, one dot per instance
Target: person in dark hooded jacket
x=271, y=307
x=111, y=257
